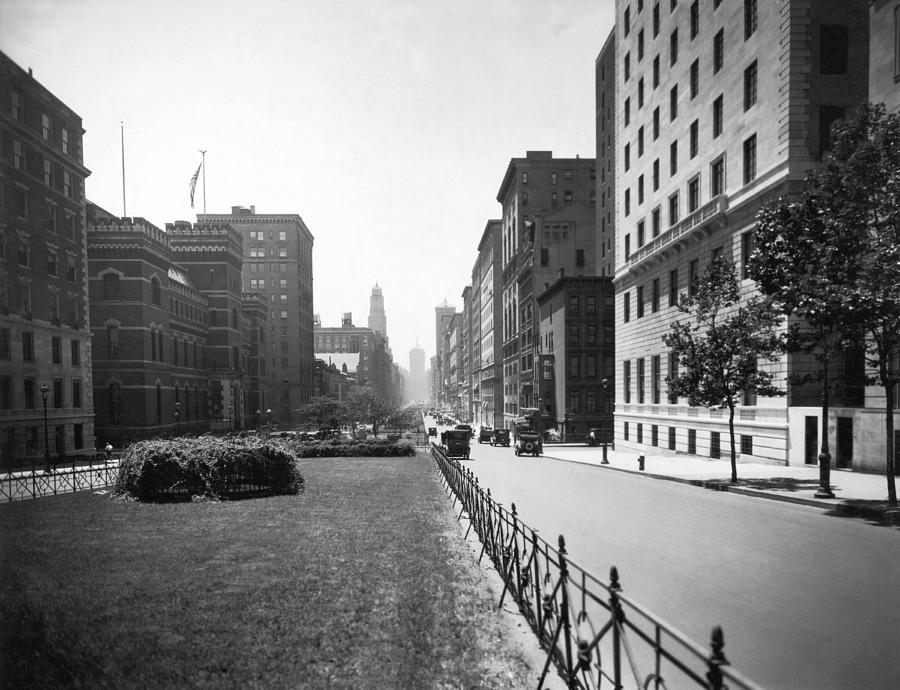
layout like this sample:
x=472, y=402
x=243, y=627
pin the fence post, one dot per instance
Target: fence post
x=716, y=659
x=537, y=583
x=571, y=680
x=615, y=610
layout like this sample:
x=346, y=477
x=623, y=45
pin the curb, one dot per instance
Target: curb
x=881, y=514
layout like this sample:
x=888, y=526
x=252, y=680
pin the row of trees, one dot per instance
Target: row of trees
x=827, y=263
x=362, y=406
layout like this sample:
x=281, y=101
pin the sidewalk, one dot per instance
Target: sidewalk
x=856, y=494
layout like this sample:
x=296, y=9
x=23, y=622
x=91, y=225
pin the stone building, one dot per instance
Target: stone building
x=45, y=343
x=721, y=107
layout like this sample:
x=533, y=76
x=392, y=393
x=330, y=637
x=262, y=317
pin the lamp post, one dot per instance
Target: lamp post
x=606, y=420
x=177, y=415
x=44, y=393
x=268, y=417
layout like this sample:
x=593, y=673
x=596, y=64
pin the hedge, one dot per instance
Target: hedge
x=337, y=449
x=209, y=466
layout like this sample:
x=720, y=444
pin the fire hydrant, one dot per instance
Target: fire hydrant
x=641, y=463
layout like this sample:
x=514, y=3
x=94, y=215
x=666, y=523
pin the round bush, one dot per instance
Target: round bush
x=207, y=466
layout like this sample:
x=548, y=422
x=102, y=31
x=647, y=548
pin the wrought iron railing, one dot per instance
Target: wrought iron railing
x=94, y=474
x=592, y=632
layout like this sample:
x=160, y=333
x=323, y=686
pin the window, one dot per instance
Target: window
x=52, y=263
x=747, y=246
x=58, y=393
x=579, y=257
x=5, y=347
x=694, y=194
x=749, y=18
x=627, y=157
x=524, y=200
x=626, y=307
x=627, y=201
x=155, y=291
x=640, y=142
x=76, y=393
x=692, y=441
x=717, y=176
x=656, y=71
x=673, y=103
x=112, y=341
x=746, y=445
x=673, y=47
x=640, y=188
x=626, y=380
x=717, y=117
x=590, y=337
x=656, y=123
x=45, y=127
x=750, y=159
x=626, y=21
x=554, y=201
x=48, y=172
x=655, y=221
x=654, y=380
x=56, y=349
x=640, y=45
x=639, y=303
x=545, y=256
x=110, y=286
x=654, y=296
x=655, y=20
x=673, y=209
x=67, y=184
x=574, y=334
x=695, y=138
x=695, y=78
x=673, y=376
x=750, y=86
x=656, y=174
x=718, y=51
x=693, y=276
x=673, y=157
x=695, y=19
x=71, y=271
x=574, y=366
x=640, y=234
x=640, y=93
x=715, y=444
x=627, y=245
x=627, y=111
x=15, y=101
x=640, y=380
x=75, y=347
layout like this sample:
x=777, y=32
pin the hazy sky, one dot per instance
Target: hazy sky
x=386, y=124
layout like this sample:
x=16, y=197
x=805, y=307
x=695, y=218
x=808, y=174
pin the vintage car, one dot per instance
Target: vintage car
x=500, y=437
x=432, y=431
x=456, y=443
x=484, y=434
x=466, y=427
x=528, y=442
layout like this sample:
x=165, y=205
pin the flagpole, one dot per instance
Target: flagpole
x=124, y=208
x=203, y=165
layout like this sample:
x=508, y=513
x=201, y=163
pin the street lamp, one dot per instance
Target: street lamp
x=268, y=417
x=177, y=415
x=606, y=420
x=44, y=393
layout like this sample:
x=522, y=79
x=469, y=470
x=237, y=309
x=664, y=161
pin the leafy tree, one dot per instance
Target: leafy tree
x=719, y=346
x=328, y=414
x=366, y=406
x=853, y=201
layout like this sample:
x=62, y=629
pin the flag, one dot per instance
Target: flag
x=194, y=182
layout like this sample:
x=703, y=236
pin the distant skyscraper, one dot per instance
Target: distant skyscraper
x=377, y=317
x=418, y=385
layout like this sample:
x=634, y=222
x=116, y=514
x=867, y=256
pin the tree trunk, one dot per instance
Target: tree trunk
x=889, y=445
x=731, y=436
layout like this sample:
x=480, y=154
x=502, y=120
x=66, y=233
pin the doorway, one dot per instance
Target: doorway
x=811, y=454
x=844, y=442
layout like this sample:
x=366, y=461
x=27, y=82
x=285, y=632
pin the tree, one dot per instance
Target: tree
x=365, y=406
x=327, y=413
x=854, y=198
x=719, y=346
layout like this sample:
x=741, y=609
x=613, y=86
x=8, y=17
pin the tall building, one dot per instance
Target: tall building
x=46, y=401
x=443, y=315
x=418, y=384
x=487, y=374
x=547, y=226
x=605, y=223
x=377, y=317
x=721, y=107
x=277, y=263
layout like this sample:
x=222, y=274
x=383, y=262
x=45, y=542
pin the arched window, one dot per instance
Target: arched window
x=156, y=291
x=158, y=404
x=111, y=286
x=153, y=356
x=115, y=403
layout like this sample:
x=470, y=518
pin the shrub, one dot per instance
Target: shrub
x=207, y=466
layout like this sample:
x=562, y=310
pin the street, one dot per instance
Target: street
x=806, y=600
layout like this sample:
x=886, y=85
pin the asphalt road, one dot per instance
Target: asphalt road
x=806, y=600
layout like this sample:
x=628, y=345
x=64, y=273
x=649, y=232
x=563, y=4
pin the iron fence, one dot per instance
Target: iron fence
x=593, y=633
x=82, y=475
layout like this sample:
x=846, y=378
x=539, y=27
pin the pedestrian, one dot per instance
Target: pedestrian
x=109, y=449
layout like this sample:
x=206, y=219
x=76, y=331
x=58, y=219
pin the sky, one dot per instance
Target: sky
x=387, y=125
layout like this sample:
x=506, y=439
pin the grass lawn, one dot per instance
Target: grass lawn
x=363, y=580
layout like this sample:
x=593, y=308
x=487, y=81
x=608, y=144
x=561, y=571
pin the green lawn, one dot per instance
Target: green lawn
x=362, y=580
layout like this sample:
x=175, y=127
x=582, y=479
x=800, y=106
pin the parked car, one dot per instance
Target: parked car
x=484, y=434
x=528, y=442
x=500, y=437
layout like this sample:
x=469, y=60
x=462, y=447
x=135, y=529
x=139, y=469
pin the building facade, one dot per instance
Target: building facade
x=884, y=53
x=547, y=224
x=46, y=397
x=721, y=107
x=377, y=315
x=605, y=223
x=277, y=263
x=418, y=383
x=487, y=375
